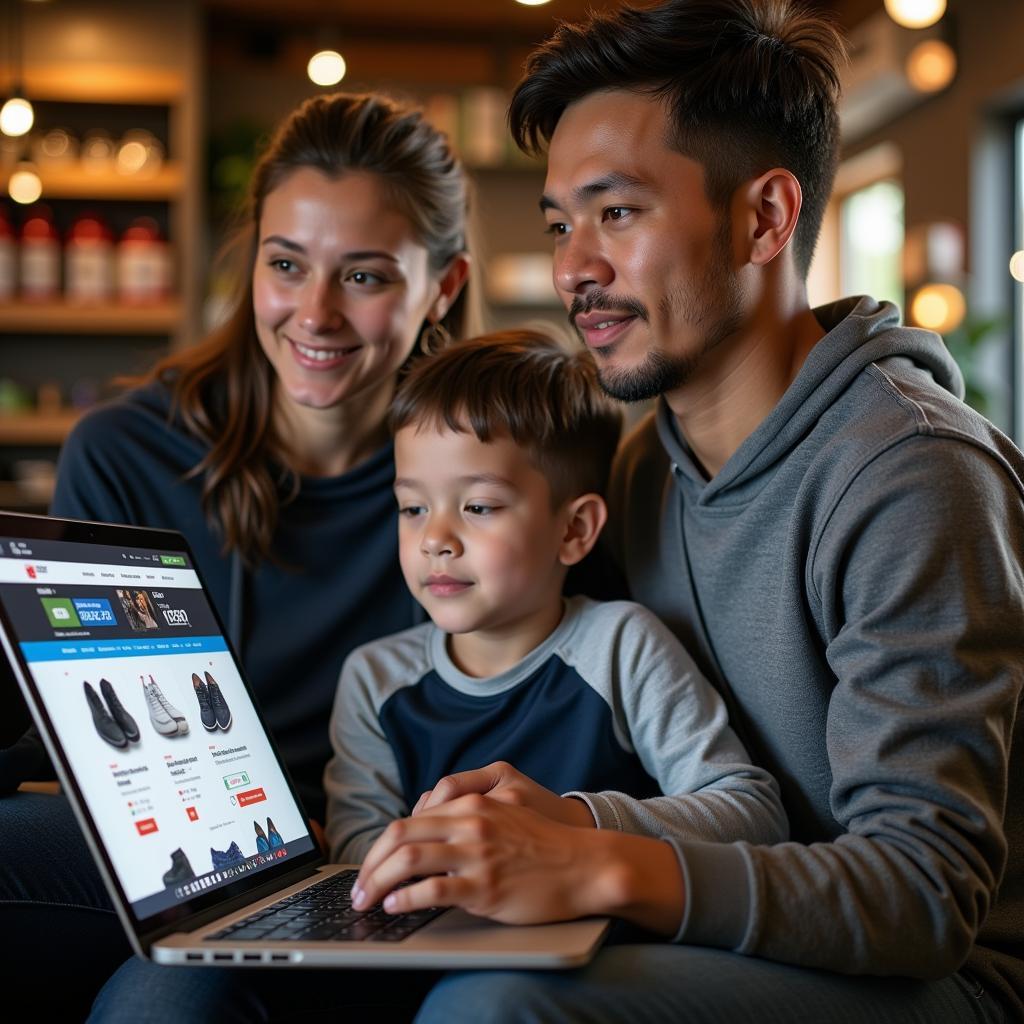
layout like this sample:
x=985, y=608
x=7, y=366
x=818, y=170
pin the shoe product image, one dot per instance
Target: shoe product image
x=273, y=835
x=117, y=711
x=172, y=712
x=206, y=713
x=232, y=855
x=262, y=842
x=106, y=726
x=158, y=713
x=220, y=705
x=180, y=870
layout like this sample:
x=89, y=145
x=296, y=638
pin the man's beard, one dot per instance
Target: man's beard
x=711, y=308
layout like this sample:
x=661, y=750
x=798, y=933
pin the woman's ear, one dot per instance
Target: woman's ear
x=585, y=517
x=452, y=281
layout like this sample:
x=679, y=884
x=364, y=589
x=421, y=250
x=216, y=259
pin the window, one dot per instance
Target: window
x=871, y=242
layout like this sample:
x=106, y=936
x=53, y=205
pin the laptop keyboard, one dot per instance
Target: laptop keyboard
x=322, y=913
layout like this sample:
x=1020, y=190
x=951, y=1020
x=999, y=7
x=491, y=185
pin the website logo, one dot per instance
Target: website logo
x=176, y=617
x=61, y=612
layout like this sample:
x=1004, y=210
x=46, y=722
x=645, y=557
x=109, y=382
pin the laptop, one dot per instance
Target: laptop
x=182, y=797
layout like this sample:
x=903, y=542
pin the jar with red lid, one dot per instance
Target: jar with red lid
x=143, y=264
x=89, y=260
x=40, y=256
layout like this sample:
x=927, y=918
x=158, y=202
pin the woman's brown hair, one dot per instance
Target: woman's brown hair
x=222, y=389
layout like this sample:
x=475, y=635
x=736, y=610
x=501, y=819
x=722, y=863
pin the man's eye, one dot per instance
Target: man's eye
x=558, y=228
x=617, y=212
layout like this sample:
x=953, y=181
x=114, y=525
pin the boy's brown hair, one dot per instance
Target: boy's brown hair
x=525, y=386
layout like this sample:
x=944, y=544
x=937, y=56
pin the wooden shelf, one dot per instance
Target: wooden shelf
x=104, y=83
x=68, y=318
x=31, y=428
x=75, y=183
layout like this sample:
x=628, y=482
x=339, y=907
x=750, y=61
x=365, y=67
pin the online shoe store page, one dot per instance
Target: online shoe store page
x=152, y=714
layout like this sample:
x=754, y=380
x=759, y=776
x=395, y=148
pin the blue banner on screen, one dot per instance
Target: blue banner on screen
x=70, y=650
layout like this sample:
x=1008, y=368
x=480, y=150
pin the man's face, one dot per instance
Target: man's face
x=643, y=262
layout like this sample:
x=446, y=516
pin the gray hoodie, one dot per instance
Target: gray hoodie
x=851, y=581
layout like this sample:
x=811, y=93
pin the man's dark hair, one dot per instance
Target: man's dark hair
x=525, y=386
x=749, y=85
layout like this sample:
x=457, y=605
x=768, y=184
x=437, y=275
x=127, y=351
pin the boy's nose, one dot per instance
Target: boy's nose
x=439, y=541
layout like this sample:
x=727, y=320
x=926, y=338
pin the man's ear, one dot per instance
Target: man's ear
x=771, y=205
x=585, y=517
x=452, y=281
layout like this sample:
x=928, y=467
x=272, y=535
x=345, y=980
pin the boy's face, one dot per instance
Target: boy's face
x=479, y=540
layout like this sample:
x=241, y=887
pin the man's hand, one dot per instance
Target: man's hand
x=511, y=864
x=501, y=782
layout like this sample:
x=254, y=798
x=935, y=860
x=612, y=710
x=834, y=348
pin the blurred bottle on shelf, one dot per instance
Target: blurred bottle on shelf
x=40, y=256
x=8, y=259
x=98, y=152
x=56, y=148
x=139, y=152
x=89, y=261
x=143, y=264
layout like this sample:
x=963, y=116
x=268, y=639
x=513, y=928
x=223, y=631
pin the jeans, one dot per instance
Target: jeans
x=663, y=984
x=57, y=918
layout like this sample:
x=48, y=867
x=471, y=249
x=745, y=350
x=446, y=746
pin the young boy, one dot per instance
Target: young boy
x=503, y=446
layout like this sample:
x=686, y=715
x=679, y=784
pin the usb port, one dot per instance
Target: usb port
x=252, y=956
x=279, y=956
x=193, y=956
x=223, y=956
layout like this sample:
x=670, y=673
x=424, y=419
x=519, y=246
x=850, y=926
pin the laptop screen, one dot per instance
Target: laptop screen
x=154, y=722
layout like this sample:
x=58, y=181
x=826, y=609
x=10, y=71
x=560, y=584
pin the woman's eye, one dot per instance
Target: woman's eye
x=286, y=266
x=365, y=277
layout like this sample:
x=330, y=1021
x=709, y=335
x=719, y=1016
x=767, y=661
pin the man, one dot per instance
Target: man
x=830, y=531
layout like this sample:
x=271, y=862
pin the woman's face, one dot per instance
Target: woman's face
x=341, y=287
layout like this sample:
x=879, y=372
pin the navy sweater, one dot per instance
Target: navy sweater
x=338, y=585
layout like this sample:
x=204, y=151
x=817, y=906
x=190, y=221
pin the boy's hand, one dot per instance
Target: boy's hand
x=513, y=865
x=503, y=862
x=501, y=782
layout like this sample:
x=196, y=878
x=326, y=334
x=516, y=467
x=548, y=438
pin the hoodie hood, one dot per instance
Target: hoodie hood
x=860, y=331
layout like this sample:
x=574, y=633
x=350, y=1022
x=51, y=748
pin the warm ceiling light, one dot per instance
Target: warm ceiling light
x=531, y=3
x=931, y=65
x=16, y=116
x=939, y=307
x=1017, y=266
x=25, y=186
x=915, y=13
x=326, y=67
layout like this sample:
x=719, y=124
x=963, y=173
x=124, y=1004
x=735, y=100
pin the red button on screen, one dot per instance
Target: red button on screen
x=146, y=826
x=251, y=796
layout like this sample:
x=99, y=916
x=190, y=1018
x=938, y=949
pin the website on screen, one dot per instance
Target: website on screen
x=153, y=717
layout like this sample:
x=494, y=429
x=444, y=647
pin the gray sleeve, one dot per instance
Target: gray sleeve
x=364, y=793
x=919, y=585
x=675, y=721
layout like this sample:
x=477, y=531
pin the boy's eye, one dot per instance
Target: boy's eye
x=410, y=511
x=476, y=509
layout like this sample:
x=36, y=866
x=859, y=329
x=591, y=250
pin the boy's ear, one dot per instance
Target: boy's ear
x=585, y=519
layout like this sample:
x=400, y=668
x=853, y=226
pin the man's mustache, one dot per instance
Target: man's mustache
x=607, y=303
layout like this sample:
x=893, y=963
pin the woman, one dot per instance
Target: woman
x=266, y=445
